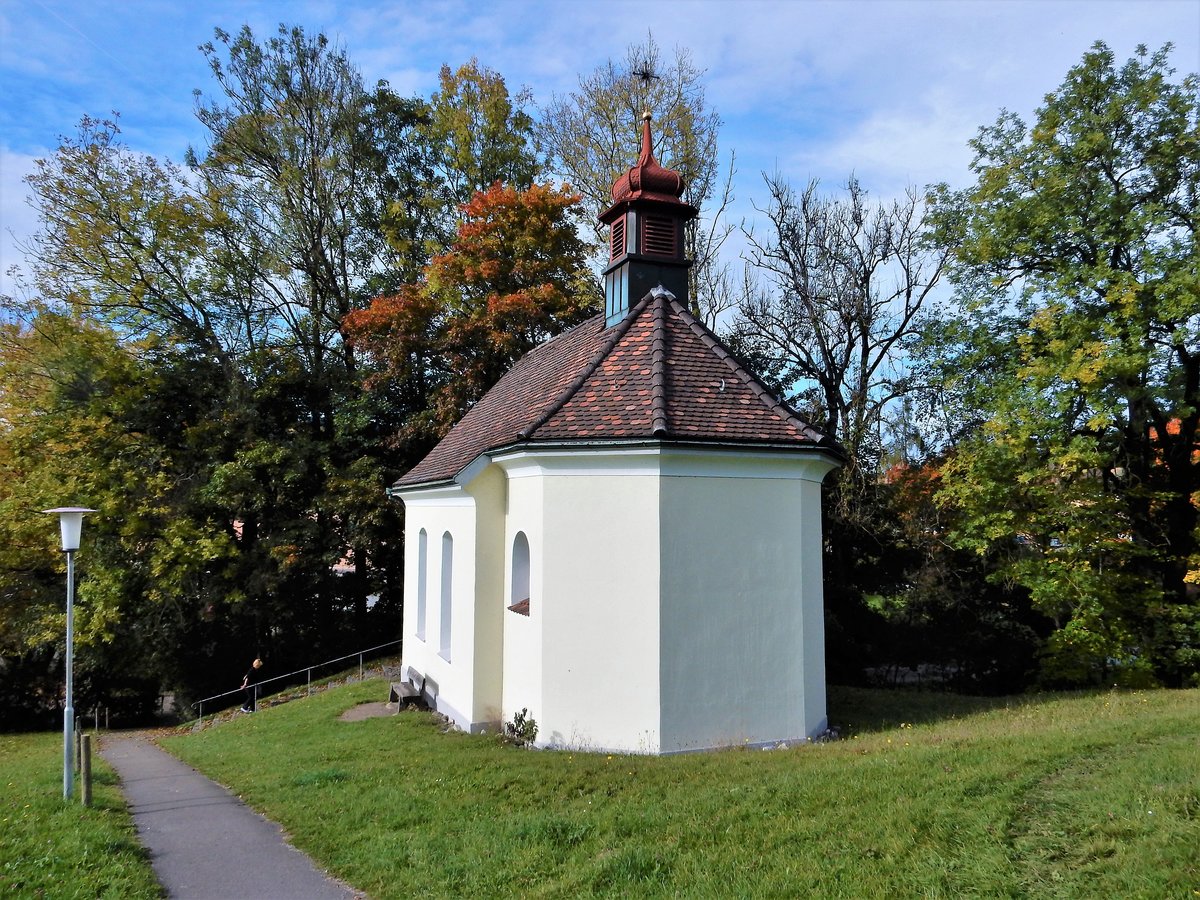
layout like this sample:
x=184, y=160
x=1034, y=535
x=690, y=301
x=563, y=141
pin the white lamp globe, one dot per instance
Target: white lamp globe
x=70, y=521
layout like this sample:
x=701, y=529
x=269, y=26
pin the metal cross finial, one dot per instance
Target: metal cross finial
x=646, y=74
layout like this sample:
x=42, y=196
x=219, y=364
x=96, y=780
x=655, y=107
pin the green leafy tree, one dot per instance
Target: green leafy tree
x=470, y=134
x=183, y=368
x=1078, y=360
x=943, y=619
x=409, y=209
x=240, y=272
x=323, y=173
x=285, y=150
x=485, y=134
x=82, y=424
x=125, y=241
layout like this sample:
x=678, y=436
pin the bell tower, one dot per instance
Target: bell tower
x=645, y=233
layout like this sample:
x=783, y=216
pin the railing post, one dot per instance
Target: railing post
x=85, y=769
x=309, y=673
x=360, y=667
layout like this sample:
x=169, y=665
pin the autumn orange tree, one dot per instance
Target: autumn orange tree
x=515, y=275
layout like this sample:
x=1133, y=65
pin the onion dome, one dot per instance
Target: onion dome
x=648, y=179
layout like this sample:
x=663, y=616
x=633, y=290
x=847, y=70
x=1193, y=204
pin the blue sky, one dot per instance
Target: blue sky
x=887, y=89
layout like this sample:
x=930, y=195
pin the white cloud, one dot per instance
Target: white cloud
x=891, y=149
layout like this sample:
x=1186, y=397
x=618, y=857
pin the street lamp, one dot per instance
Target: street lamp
x=70, y=520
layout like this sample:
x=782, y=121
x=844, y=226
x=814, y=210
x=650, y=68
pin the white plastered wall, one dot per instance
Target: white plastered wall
x=465, y=687
x=742, y=642
x=676, y=598
x=596, y=606
x=489, y=490
x=523, y=634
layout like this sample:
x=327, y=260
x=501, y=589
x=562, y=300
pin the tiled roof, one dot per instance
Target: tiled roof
x=657, y=374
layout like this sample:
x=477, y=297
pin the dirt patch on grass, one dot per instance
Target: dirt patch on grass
x=368, y=710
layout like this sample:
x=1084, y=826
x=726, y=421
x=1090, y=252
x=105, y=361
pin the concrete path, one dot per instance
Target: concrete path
x=204, y=842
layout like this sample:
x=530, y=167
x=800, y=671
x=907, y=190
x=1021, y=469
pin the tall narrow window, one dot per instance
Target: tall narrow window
x=447, y=594
x=422, y=580
x=518, y=600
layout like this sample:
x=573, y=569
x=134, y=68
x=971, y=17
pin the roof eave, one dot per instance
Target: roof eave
x=586, y=444
x=831, y=451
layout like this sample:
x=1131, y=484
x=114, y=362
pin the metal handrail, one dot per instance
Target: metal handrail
x=199, y=704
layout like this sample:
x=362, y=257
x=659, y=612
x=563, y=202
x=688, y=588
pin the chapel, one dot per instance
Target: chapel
x=623, y=536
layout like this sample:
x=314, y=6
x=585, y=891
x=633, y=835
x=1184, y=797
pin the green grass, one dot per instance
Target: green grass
x=928, y=795
x=52, y=848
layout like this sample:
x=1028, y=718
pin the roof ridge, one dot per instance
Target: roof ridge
x=660, y=427
x=764, y=394
x=585, y=373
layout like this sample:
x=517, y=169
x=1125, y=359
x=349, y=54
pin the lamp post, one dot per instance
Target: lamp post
x=70, y=521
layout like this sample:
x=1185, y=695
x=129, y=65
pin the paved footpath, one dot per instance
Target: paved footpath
x=204, y=843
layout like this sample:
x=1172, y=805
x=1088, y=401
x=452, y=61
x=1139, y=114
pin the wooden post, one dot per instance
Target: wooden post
x=85, y=772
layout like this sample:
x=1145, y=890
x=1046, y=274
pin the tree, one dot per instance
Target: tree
x=124, y=240
x=284, y=150
x=1076, y=260
x=198, y=388
x=831, y=326
x=515, y=276
x=847, y=282
x=471, y=134
x=943, y=619
x=391, y=137
x=310, y=158
x=593, y=135
x=82, y=420
x=240, y=270
x=485, y=134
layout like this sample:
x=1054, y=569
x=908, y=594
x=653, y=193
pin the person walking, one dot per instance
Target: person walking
x=248, y=686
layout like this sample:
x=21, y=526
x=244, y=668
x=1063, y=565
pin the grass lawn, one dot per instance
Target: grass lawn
x=52, y=848
x=927, y=795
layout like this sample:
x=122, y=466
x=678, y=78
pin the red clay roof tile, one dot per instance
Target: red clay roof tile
x=657, y=374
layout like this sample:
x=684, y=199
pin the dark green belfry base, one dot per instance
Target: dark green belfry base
x=632, y=277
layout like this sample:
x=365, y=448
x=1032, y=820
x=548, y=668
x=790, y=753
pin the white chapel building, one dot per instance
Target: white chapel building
x=623, y=536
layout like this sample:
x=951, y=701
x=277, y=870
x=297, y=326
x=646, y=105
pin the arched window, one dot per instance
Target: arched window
x=447, y=594
x=422, y=580
x=518, y=598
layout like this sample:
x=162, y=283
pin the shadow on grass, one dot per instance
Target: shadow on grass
x=854, y=710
